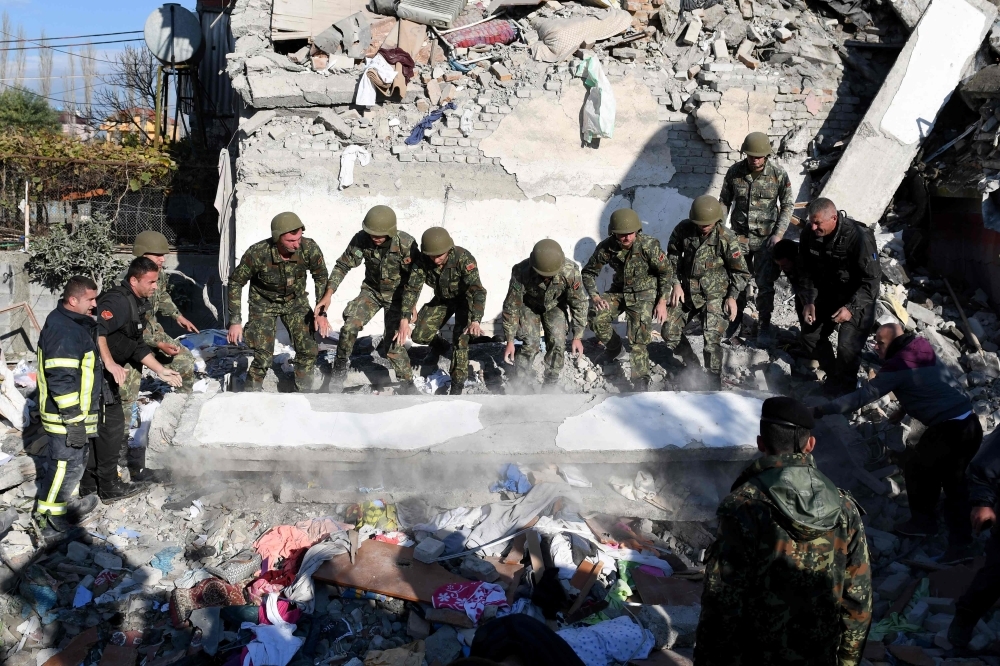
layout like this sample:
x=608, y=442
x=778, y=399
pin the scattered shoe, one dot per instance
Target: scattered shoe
x=611, y=351
x=117, y=490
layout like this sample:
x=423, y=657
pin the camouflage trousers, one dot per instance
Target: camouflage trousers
x=358, y=313
x=432, y=317
x=638, y=320
x=713, y=323
x=259, y=336
x=182, y=363
x=554, y=325
x=760, y=263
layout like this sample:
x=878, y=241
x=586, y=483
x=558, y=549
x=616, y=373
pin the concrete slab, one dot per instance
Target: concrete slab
x=446, y=451
x=930, y=66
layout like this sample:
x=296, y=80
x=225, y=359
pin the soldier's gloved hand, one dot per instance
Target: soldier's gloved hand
x=508, y=353
x=731, y=308
x=235, y=336
x=171, y=377
x=576, y=347
x=76, y=435
x=660, y=311
x=600, y=304
x=676, y=296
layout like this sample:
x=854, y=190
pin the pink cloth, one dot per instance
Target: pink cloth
x=320, y=528
x=471, y=597
x=285, y=610
x=281, y=542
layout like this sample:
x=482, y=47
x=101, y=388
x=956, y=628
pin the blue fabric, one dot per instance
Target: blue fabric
x=514, y=480
x=417, y=135
x=164, y=559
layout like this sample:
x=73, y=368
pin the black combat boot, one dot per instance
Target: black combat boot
x=961, y=630
x=713, y=382
x=338, y=373
x=641, y=384
x=611, y=350
x=406, y=388
x=457, y=388
x=439, y=347
x=116, y=490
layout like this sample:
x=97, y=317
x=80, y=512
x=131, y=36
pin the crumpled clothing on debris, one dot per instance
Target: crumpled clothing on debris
x=191, y=578
x=302, y=591
x=893, y=622
x=617, y=640
x=211, y=592
x=411, y=654
x=460, y=517
x=366, y=89
x=394, y=56
x=472, y=597
x=417, y=135
x=497, y=31
x=505, y=518
x=514, y=481
x=274, y=644
x=322, y=527
x=374, y=513
x=347, y=163
x=279, y=543
x=558, y=38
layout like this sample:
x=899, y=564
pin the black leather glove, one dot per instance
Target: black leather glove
x=76, y=435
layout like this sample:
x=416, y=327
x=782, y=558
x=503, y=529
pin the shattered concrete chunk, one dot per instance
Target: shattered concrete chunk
x=672, y=626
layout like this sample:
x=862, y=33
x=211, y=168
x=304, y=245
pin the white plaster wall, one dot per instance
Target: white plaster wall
x=498, y=232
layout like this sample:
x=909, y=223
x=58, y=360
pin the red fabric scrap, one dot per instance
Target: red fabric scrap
x=392, y=56
x=285, y=610
x=491, y=32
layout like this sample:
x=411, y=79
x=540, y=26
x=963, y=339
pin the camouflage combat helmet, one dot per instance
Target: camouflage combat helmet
x=284, y=223
x=624, y=221
x=706, y=211
x=380, y=221
x=547, y=257
x=150, y=242
x=757, y=145
x=436, y=241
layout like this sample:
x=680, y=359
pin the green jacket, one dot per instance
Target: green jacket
x=528, y=288
x=274, y=282
x=458, y=277
x=641, y=272
x=761, y=207
x=708, y=267
x=788, y=580
x=387, y=268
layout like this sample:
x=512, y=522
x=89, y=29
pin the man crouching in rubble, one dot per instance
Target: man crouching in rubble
x=929, y=393
x=788, y=580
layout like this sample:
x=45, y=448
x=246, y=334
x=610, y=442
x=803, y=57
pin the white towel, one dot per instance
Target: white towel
x=366, y=91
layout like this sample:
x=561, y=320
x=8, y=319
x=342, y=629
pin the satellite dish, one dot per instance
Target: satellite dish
x=173, y=34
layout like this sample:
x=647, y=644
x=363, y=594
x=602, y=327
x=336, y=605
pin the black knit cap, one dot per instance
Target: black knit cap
x=788, y=412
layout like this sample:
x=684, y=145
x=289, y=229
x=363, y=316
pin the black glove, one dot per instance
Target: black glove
x=76, y=435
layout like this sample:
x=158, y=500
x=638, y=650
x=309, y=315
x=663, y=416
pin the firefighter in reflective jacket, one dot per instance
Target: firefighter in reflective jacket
x=69, y=395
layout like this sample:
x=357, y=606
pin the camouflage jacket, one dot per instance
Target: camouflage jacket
x=387, y=268
x=708, y=267
x=274, y=280
x=528, y=288
x=459, y=276
x=788, y=580
x=641, y=272
x=760, y=206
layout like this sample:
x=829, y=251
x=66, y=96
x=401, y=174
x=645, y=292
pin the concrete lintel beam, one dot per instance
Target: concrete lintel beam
x=930, y=66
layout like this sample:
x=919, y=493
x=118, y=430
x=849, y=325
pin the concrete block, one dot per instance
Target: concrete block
x=428, y=550
x=893, y=586
x=672, y=626
x=918, y=613
x=106, y=560
x=475, y=568
x=938, y=621
x=885, y=542
x=920, y=313
x=692, y=32
x=745, y=54
x=940, y=605
x=256, y=121
x=77, y=551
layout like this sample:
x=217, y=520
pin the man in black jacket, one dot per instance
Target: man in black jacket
x=838, y=287
x=120, y=321
x=70, y=381
x=984, y=483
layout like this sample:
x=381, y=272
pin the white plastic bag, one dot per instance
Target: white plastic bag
x=12, y=403
x=599, y=107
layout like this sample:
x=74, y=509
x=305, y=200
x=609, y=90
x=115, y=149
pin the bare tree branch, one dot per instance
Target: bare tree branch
x=5, y=27
x=129, y=88
x=69, y=81
x=45, y=67
x=21, y=64
x=89, y=67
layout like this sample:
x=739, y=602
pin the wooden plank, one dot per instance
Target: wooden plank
x=583, y=573
x=585, y=587
x=387, y=569
x=666, y=590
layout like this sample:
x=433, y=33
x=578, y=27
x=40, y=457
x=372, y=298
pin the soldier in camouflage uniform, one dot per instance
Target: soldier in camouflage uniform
x=707, y=272
x=169, y=352
x=759, y=194
x=641, y=279
x=542, y=288
x=788, y=579
x=388, y=255
x=453, y=274
x=276, y=269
